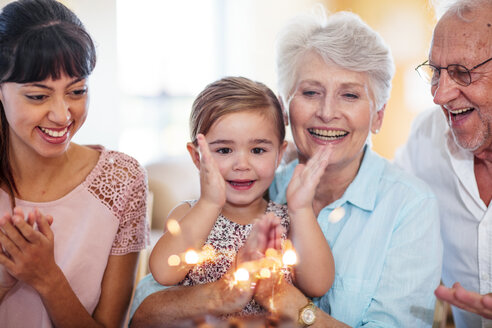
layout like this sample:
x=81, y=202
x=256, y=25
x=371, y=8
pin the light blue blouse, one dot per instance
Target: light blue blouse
x=387, y=247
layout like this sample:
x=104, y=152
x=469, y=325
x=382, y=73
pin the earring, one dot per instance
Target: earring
x=376, y=131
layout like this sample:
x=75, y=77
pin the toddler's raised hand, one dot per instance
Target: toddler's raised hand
x=306, y=177
x=265, y=233
x=212, y=183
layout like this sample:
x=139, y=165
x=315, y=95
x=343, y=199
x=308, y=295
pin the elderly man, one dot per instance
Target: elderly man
x=453, y=154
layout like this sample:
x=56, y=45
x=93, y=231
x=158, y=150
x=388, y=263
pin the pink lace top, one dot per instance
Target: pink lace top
x=120, y=183
x=226, y=238
x=105, y=215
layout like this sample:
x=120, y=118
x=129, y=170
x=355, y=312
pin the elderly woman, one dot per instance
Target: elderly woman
x=382, y=225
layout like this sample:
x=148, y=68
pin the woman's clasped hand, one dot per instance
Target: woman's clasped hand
x=27, y=246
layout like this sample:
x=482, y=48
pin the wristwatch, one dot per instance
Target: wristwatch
x=307, y=315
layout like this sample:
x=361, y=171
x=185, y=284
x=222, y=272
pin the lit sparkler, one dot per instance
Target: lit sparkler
x=241, y=274
x=274, y=264
x=274, y=261
x=289, y=257
x=191, y=257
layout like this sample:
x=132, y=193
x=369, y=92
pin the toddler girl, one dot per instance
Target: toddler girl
x=237, y=129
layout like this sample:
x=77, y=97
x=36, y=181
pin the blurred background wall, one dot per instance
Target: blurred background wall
x=155, y=56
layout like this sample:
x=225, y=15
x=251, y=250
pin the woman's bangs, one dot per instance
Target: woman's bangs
x=52, y=52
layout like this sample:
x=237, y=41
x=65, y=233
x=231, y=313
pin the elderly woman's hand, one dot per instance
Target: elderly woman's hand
x=306, y=177
x=280, y=298
x=228, y=295
x=284, y=301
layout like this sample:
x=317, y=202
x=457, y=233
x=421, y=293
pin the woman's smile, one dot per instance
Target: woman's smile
x=327, y=134
x=55, y=135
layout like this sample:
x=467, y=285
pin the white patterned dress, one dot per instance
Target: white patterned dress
x=226, y=238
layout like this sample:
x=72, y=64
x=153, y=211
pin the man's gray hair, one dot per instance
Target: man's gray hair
x=458, y=7
x=342, y=38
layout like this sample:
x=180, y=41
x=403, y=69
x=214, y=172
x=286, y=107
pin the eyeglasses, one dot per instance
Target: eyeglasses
x=459, y=73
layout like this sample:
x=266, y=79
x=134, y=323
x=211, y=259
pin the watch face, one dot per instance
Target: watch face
x=308, y=316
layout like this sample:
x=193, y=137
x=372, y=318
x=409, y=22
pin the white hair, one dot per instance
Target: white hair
x=457, y=7
x=342, y=38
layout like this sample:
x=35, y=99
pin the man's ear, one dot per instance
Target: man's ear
x=284, y=112
x=194, y=153
x=378, y=120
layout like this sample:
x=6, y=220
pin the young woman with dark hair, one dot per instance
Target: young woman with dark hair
x=74, y=215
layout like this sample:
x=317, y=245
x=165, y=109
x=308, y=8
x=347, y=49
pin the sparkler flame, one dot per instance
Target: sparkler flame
x=241, y=274
x=206, y=254
x=191, y=257
x=289, y=257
